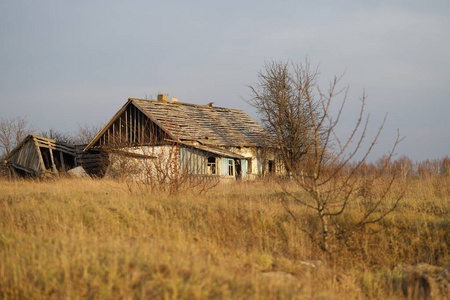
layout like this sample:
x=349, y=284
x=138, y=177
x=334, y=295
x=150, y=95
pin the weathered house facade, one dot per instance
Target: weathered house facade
x=168, y=137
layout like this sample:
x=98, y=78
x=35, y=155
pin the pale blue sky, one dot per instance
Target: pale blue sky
x=69, y=62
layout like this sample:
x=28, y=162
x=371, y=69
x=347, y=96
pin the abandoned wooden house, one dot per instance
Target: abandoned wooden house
x=37, y=155
x=161, y=136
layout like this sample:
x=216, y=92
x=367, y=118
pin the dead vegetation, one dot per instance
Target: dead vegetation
x=12, y=131
x=85, y=238
x=298, y=112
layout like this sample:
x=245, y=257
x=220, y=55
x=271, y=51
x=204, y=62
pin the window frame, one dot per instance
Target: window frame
x=211, y=167
x=231, y=168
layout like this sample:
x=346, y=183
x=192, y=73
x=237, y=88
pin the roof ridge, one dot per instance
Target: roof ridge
x=184, y=104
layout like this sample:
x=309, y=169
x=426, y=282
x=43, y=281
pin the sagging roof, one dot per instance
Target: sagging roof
x=41, y=141
x=27, y=155
x=203, y=124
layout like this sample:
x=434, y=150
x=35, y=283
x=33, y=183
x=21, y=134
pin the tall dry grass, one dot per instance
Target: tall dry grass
x=73, y=238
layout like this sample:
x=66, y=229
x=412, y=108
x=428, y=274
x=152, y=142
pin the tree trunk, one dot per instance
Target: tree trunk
x=324, y=243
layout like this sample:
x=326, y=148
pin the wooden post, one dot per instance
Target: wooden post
x=114, y=137
x=120, y=128
x=53, y=162
x=134, y=123
x=61, y=156
x=41, y=160
x=126, y=126
x=75, y=157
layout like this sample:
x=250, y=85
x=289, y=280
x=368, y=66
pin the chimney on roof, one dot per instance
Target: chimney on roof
x=174, y=100
x=162, y=98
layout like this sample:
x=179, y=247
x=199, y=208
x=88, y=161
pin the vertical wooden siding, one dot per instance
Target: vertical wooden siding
x=193, y=161
x=244, y=168
x=28, y=157
x=132, y=128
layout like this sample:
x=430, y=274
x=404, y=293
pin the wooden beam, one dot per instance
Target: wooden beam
x=114, y=131
x=23, y=169
x=134, y=124
x=41, y=160
x=120, y=129
x=53, y=161
x=126, y=125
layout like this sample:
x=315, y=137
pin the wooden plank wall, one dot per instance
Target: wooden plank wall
x=132, y=128
x=28, y=157
x=94, y=162
x=51, y=144
x=193, y=161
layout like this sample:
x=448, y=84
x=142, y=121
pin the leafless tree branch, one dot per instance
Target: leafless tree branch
x=298, y=113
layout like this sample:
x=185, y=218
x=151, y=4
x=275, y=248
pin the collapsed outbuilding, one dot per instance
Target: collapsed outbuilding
x=37, y=155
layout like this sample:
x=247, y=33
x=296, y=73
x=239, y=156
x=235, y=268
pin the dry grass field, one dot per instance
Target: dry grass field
x=100, y=239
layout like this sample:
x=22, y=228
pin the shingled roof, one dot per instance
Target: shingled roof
x=205, y=124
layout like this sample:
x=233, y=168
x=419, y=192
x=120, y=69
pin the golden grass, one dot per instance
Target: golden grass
x=73, y=238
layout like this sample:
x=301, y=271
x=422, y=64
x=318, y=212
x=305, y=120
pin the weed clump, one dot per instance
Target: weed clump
x=83, y=238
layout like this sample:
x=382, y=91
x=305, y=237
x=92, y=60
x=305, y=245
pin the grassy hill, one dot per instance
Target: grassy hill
x=80, y=238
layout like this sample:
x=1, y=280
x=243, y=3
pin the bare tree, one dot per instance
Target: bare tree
x=64, y=137
x=86, y=133
x=325, y=167
x=281, y=99
x=83, y=135
x=12, y=132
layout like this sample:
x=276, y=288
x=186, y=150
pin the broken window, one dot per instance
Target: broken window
x=271, y=166
x=212, y=165
x=237, y=167
x=249, y=166
x=230, y=167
